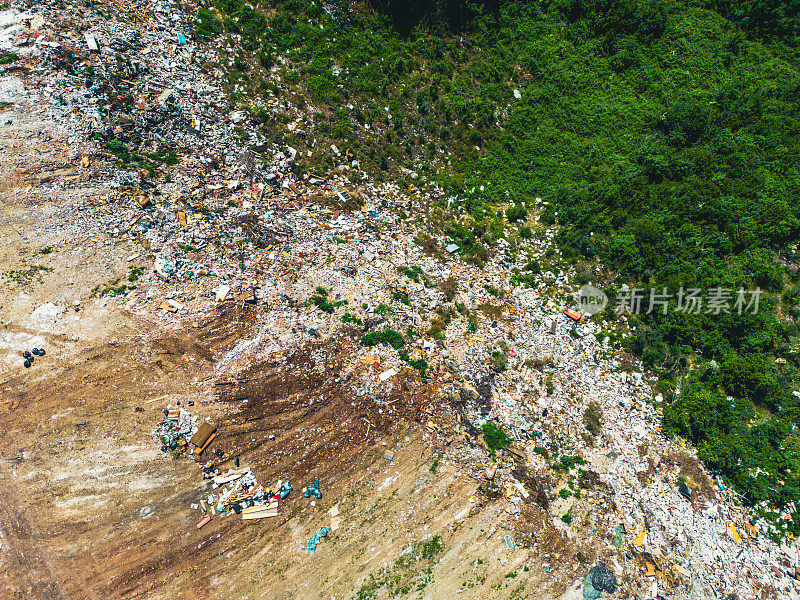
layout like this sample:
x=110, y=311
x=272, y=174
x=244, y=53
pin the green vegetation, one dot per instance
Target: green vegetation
x=46, y=250
x=349, y=318
x=432, y=547
x=415, y=274
x=134, y=273
x=567, y=463
x=112, y=288
x=497, y=293
x=27, y=276
x=435, y=465
x=495, y=437
x=394, y=339
x=382, y=309
x=662, y=136
x=592, y=417
x=388, y=337
x=412, y=570
x=320, y=300
x=499, y=358
x=401, y=296
x=7, y=59
x=148, y=160
x=419, y=364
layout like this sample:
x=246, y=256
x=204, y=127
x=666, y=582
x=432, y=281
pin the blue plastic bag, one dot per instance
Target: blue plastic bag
x=313, y=488
x=311, y=545
x=285, y=489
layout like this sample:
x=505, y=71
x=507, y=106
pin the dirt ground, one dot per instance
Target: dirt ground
x=89, y=506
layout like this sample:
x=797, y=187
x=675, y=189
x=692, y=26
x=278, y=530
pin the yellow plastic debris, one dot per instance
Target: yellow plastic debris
x=734, y=534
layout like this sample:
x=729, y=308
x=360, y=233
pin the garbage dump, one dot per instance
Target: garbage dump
x=207, y=224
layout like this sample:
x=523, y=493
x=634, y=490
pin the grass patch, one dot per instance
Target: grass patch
x=112, y=289
x=352, y=319
x=320, y=300
x=27, y=276
x=149, y=161
x=134, y=273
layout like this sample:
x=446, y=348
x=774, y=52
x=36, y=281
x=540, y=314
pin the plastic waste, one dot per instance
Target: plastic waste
x=684, y=491
x=313, y=488
x=618, y=537
x=589, y=592
x=286, y=488
x=311, y=545
x=602, y=579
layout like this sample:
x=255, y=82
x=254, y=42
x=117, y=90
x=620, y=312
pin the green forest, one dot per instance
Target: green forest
x=663, y=138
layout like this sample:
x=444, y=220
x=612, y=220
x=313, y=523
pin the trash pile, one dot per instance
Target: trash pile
x=597, y=581
x=241, y=493
x=176, y=431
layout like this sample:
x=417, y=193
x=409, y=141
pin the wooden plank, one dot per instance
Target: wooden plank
x=202, y=434
x=256, y=509
x=199, y=451
x=260, y=512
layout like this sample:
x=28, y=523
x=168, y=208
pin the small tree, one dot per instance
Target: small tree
x=516, y=213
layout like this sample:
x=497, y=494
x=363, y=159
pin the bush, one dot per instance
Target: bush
x=548, y=216
x=432, y=547
x=352, y=319
x=388, y=337
x=206, y=24
x=516, y=213
x=320, y=300
x=495, y=437
x=567, y=463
